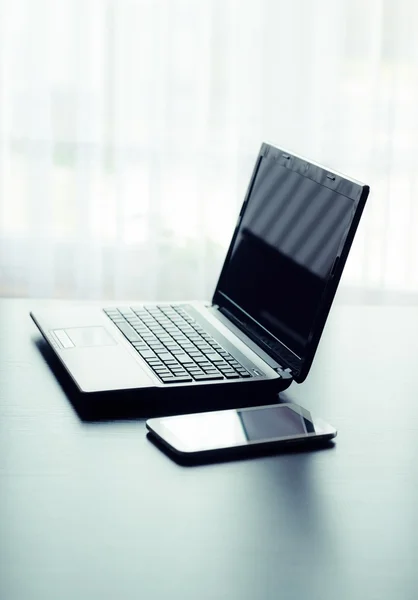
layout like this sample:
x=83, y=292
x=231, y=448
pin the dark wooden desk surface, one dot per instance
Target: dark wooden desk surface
x=94, y=510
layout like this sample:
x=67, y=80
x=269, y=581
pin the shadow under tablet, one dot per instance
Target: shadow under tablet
x=241, y=453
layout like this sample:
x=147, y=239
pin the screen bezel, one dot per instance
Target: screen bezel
x=357, y=192
x=323, y=431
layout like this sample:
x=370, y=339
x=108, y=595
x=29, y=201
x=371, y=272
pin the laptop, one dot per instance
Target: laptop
x=268, y=310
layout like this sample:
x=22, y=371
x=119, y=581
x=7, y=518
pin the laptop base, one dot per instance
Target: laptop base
x=141, y=404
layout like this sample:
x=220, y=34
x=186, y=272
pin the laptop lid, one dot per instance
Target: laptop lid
x=287, y=255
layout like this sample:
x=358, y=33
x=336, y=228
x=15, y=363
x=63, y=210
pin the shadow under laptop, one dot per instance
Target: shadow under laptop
x=128, y=405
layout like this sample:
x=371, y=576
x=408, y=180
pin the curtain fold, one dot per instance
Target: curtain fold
x=129, y=128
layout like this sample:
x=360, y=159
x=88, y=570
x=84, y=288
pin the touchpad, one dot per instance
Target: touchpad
x=90, y=336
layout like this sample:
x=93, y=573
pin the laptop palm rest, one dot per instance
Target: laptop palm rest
x=82, y=337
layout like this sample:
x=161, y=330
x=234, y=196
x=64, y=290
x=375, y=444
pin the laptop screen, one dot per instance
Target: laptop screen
x=291, y=231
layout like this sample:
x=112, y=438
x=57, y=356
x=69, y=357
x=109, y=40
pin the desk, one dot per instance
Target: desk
x=95, y=511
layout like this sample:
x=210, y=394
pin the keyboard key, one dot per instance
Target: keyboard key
x=201, y=360
x=149, y=337
x=212, y=356
x=172, y=379
x=225, y=371
x=208, y=377
x=175, y=366
x=217, y=347
x=231, y=375
x=147, y=354
x=126, y=312
x=179, y=373
x=224, y=368
x=164, y=355
x=128, y=332
x=155, y=363
x=183, y=358
x=187, y=346
x=156, y=347
x=204, y=346
x=133, y=320
x=161, y=371
x=232, y=361
x=140, y=345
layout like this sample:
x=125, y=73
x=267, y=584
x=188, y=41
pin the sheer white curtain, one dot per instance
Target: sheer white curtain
x=128, y=130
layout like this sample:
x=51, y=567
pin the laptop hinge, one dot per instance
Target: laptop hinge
x=285, y=373
x=268, y=345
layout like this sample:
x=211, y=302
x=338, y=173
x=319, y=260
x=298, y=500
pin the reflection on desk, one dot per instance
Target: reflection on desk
x=93, y=510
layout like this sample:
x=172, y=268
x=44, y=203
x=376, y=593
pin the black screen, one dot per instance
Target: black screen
x=284, y=250
x=228, y=428
x=274, y=422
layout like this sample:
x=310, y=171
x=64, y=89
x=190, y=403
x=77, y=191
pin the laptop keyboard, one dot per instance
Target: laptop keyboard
x=174, y=345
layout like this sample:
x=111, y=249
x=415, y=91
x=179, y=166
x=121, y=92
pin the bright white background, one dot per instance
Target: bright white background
x=128, y=131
